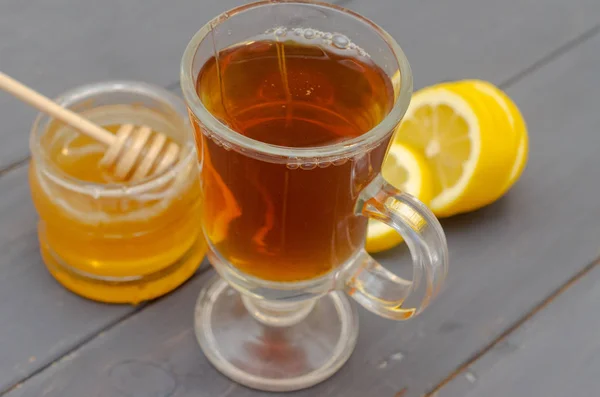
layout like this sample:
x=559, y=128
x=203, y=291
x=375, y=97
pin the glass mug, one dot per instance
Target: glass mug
x=286, y=223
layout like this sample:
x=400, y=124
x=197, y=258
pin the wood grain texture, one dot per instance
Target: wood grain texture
x=59, y=45
x=555, y=354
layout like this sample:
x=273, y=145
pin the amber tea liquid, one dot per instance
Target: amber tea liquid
x=298, y=89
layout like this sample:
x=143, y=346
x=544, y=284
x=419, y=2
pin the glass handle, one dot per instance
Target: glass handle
x=380, y=290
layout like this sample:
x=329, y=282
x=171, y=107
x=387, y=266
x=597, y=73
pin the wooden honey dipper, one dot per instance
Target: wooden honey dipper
x=123, y=148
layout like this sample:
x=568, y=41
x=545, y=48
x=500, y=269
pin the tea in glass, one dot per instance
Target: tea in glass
x=297, y=88
x=108, y=240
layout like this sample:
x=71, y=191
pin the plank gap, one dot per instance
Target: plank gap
x=81, y=343
x=14, y=166
x=513, y=327
x=557, y=53
x=138, y=309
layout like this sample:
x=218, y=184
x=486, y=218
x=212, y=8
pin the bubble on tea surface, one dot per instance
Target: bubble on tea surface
x=339, y=161
x=293, y=163
x=309, y=34
x=280, y=32
x=340, y=41
x=308, y=166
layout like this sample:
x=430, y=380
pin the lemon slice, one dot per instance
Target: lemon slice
x=466, y=154
x=408, y=171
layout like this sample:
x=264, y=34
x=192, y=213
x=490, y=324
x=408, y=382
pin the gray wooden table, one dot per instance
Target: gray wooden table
x=519, y=313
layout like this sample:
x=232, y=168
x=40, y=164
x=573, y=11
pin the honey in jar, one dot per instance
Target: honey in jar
x=107, y=240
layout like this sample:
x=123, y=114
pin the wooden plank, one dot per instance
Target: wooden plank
x=73, y=42
x=39, y=320
x=557, y=353
x=505, y=260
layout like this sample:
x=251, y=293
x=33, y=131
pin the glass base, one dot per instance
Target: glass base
x=246, y=341
x=133, y=290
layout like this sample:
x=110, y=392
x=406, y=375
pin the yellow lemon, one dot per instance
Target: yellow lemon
x=495, y=121
x=469, y=157
x=515, y=119
x=408, y=171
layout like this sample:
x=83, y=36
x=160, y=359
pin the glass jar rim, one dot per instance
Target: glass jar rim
x=89, y=91
x=283, y=154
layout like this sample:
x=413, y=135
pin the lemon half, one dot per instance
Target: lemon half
x=408, y=171
x=469, y=159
